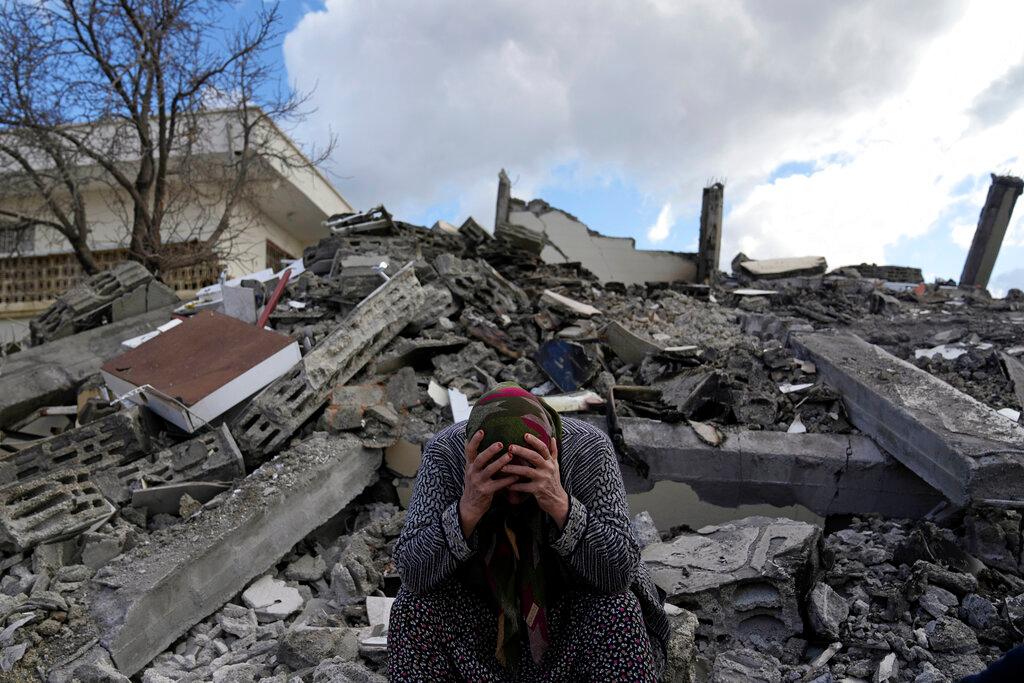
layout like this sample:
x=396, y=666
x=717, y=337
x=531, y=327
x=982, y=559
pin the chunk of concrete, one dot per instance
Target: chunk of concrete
x=827, y=473
x=826, y=610
x=271, y=599
x=49, y=508
x=48, y=375
x=746, y=666
x=279, y=410
x=769, y=269
x=741, y=579
x=952, y=441
x=149, y=596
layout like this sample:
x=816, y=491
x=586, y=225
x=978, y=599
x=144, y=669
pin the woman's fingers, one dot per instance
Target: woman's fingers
x=473, y=444
x=524, y=487
x=486, y=456
x=495, y=485
x=493, y=468
x=530, y=456
x=520, y=471
x=538, y=446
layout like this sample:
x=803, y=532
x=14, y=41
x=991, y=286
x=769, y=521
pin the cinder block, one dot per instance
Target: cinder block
x=49, y=508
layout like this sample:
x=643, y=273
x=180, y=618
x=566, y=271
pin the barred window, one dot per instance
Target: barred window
x=17, y=239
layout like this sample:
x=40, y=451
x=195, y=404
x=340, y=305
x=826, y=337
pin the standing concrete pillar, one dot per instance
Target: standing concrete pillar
x=992, y=222
x=504, y=197
x=710, y=244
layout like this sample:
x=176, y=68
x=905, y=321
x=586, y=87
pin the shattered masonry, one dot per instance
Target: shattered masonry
x=258, y=548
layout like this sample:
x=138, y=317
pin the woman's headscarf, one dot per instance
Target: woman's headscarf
x=513, y=559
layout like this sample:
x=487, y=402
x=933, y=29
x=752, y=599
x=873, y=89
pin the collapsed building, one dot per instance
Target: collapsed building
x=156, y=526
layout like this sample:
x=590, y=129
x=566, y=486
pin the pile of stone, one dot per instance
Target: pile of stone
x=259, y=548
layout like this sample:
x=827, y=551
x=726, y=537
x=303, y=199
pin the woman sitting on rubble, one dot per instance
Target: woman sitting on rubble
x=517, y=559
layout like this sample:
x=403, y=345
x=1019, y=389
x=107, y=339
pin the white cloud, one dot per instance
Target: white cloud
x=430, y=99
x=661, y=228
x=903, y=161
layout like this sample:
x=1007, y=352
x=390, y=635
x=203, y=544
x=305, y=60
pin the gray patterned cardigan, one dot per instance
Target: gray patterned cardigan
x=596, y=543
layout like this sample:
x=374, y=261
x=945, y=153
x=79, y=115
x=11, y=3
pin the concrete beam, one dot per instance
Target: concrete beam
x=988, y=237
x=826, y=473
x=148, y=597
x=501, y=209
x=278, y=411
x=49, y=374
x=957, y=444
x=710, y=240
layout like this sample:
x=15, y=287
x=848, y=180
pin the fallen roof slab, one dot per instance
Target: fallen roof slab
x=48, y=375
x=826, y=473
x=952, y=441
x=146, y=598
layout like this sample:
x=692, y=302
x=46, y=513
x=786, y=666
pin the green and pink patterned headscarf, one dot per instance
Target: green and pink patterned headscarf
x=513, y=560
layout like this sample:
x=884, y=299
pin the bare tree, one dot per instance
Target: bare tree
x=153, y=99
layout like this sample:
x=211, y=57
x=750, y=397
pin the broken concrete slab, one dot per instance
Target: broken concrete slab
x=149, y=596
x=768, y=269
x=278, y=411
x=49, y=508
x=629, y=346
x=826, y=473
x=1015, y=371
x=107, y=443
x=568, y=305
x=48, y=375
x=955, y=443
x=741, y=579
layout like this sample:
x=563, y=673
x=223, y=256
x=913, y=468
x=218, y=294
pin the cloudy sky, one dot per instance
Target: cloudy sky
x=862, y=131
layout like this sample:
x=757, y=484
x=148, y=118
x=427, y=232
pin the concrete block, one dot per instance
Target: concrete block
x=49, y=375
x=49, y=508
x=101, y=445
x=279, y=410
x=955, y=443
x=744, y=578
x=75, y=309
x=827, y=473
x=148, y=597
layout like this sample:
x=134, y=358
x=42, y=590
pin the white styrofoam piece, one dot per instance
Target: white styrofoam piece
x=1010, y=414
x=460, y=405
x=788, y=388
x=797, y=427
x=438, y=393
x=947, y=351
x=134, y=342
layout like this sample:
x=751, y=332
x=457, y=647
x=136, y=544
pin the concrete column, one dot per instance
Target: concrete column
x=504, y=197
x=710, y=245
x=992, y=222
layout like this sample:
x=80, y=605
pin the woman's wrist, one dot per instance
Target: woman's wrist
x=559, y=511
x=467, y=520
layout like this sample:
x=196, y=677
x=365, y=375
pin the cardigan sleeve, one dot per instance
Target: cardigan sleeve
x=596, y=541
x=431, y=545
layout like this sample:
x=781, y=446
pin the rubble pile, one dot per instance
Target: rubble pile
x=256, y=544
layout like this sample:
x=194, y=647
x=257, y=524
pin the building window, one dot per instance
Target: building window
x=275, y=255
x=17, y=239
